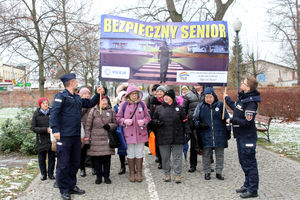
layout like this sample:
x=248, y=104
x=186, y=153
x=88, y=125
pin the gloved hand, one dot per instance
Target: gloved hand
x=88, y=146
x=203, y=126
x=128, y=122
x=140, y=122
x=160, y=123
x=188, y=136
x=106, y=127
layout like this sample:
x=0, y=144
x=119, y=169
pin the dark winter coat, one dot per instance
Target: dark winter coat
x=190, y=102
x=39, y=125
x=244, y=112
x=164, y=56
x=175, y=124
x=99, y=139
x=216, y=135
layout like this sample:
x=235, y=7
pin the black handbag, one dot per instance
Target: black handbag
x=114, y=141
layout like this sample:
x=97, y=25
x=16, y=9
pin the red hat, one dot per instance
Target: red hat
x=42, y=99
x=103, y=97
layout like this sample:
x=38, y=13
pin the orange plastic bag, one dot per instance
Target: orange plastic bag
x=152, y=143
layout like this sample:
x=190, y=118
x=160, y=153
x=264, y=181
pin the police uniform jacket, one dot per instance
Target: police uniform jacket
x=190, y=102
x=244, y=114
x=175, y=124
x=66, y=112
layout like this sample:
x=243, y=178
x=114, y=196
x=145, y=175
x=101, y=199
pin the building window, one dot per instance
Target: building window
x=262, y=77
x=293, y=75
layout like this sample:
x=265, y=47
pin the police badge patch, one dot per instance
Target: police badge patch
x=249, y=116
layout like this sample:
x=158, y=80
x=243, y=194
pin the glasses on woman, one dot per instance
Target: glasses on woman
x=134, y=93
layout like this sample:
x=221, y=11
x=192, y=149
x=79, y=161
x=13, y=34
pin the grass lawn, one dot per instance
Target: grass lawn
x=285, y=140
x=14, y=180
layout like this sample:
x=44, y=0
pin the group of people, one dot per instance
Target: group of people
x=196, y=115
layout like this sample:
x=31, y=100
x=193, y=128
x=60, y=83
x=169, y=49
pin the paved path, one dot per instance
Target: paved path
x=279, y=179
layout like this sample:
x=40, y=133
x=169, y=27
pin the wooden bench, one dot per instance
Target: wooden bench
x=263, y=125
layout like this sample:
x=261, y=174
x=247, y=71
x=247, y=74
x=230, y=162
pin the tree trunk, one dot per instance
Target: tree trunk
x=175, y=16
x=67, y=48
x=298, y=44
x=221, y=9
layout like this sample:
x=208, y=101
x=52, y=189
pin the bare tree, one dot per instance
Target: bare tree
x=25, y=29
x=178, y=10
x=73, y=25
x=285, y=25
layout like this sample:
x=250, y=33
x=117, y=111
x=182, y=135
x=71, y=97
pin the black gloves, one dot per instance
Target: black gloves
x=87, y=146
x=106, y=127
x=160, y=123
x=188, y=137
x=203, y=126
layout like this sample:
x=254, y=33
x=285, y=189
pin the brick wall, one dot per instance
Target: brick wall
x=26, y=98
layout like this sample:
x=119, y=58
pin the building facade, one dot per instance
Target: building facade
x=273, y=74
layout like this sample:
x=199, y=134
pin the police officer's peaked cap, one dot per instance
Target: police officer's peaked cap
x=67, y=77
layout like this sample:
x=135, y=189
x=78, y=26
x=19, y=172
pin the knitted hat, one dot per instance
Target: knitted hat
x=170, y=93
x=155, y=87
x=103, y=97
x=162, y=88
x=42, y=99
x=120, y=95
x=186, y=87
x=83, y=91
x=209, y=90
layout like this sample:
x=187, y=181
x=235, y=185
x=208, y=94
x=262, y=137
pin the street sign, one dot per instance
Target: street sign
x=28, y=84
x=19, y=85
x=2, y=88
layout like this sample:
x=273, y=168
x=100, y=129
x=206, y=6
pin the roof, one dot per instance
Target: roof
x=269, y=63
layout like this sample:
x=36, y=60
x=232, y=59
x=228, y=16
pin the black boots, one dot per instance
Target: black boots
x=247, y=195
x=107, y=180
x=43, y=177
x=219, y=176
x=192, y=168
x=94, y=171
x=241, y=190
x=207, y=176
x=122, y=170
x=82, y=173
x=98, y=181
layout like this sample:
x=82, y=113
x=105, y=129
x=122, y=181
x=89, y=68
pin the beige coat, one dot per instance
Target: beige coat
x=98, y=136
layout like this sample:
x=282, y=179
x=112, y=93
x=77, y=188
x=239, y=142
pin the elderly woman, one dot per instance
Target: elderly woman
x=172, y=126
x=40, y=125
x=211, y=127
x=96, y=137
x=122, y=152
x=155, y=101
x=133, y=116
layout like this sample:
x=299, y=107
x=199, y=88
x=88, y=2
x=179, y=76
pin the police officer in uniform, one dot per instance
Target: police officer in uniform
x=244, y=131
x=65, y=122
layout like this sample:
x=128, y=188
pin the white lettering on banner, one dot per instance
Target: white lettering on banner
x=115, y=72
x=201, y=76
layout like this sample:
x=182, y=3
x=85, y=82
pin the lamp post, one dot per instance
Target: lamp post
x=237, y=25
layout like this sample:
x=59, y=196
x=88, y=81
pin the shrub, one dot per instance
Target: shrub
x=16, y=135
x=280, y=104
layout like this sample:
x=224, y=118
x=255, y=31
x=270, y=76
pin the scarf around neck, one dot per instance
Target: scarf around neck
x=44, y=112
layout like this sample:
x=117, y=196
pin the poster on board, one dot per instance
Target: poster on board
x=172, y=53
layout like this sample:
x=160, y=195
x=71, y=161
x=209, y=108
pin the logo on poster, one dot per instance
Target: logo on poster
x=115, y=72
x=183, y=76
x=107, y=72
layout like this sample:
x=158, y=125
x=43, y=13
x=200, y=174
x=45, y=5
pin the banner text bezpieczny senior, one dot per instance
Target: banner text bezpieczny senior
x=175, y=53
